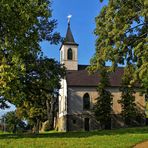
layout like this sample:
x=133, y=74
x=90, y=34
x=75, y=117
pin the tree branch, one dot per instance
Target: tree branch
x=134, y=27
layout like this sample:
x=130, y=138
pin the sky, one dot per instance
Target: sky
x=82, y=25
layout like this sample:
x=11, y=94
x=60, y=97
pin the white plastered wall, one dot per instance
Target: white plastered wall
x=63, y=98
x=69, y=64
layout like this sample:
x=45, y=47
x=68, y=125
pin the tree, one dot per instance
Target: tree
x=121, y=30
x=41, y=83
x=27, y=78
x=129, y=110
x=103, y=105
x=13, y=123
x=23, y=25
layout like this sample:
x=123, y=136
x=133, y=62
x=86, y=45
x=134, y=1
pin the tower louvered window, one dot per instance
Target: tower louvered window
x=69, y=54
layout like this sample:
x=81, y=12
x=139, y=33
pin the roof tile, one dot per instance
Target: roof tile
x=81, y=77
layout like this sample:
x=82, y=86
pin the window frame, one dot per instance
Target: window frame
x=69, y=54
x=86, y=101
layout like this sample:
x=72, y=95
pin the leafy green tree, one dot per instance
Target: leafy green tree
x=13, y=123
x=129, y=110
x=41, y=83
x=23, y=25
x=103, y=105
x=145, y=82
x=27, y=78
x=121, y=30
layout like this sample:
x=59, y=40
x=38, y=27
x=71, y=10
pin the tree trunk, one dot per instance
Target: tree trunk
x=14, y=129
x=36, y=127
x=50, y=113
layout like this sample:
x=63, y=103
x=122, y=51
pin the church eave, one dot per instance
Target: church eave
x=69, y=43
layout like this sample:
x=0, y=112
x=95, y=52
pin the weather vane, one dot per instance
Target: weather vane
x=69, y=17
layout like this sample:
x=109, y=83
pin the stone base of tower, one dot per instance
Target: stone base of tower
x=62, y=124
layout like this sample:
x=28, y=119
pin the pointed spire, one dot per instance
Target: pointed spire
x=69, y=39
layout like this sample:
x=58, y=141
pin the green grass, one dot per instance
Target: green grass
x=121, y=138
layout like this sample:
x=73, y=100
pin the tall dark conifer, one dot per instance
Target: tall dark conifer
x=103, y=105
x=127, y=98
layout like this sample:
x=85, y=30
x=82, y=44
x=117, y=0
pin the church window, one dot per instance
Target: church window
x=74, y=121
x=69, y=54
x=86, y=101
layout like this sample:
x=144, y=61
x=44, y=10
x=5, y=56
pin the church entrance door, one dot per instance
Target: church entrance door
x=86, y=124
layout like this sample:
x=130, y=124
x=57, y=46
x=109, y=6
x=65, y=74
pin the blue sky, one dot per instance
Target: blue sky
x=82, y=25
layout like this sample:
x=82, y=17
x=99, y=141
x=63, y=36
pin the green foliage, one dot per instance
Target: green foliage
x=103, y=105
x=13, y=123
x=40, y=84
x=3, y=103
x=23, y=26
x=27, y=78
x=121, y=30
x=127, y=101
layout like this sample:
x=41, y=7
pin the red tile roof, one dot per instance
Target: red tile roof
x=81, y=77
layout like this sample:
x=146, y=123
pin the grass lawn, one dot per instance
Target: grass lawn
x=121, y=138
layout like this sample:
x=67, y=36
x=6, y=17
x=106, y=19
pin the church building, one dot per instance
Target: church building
x=78, y=92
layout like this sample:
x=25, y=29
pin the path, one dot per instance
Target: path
x=142, y=145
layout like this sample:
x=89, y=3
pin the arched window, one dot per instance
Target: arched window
x=69, y=54
x=86, y=101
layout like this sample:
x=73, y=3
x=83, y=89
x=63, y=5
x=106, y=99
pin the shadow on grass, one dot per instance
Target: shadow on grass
x=124, y=131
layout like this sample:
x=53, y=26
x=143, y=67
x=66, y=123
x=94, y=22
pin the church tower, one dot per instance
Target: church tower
x=69, y=51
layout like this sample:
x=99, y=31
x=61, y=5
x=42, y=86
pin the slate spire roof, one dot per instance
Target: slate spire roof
x=69, y=39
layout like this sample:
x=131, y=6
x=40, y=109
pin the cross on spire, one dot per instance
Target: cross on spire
x=69, y=17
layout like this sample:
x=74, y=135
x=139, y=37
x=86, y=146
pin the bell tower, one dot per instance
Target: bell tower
x=69, y=50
